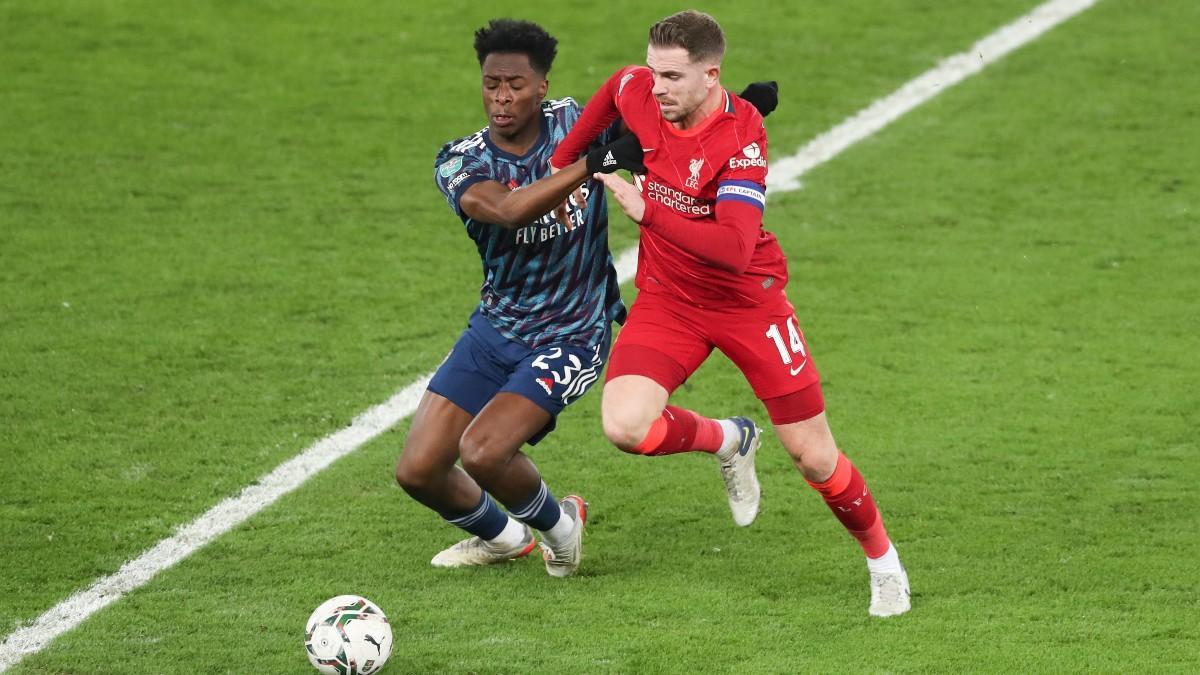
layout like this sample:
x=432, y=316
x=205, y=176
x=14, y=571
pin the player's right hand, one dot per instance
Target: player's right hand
x=627, y=195
x=623, y=153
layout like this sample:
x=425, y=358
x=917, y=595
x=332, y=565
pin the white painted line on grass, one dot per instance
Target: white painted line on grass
x=216, y=521
x=784, y=176
x=626, y=264
x=785, y=173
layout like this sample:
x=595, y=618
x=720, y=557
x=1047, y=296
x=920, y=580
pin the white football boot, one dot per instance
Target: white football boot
x=562, y=561
x=890, y=593
x=741, y=481
x=475, y=551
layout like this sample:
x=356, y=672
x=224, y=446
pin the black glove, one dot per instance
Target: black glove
x=623, y=153
x=762, y=95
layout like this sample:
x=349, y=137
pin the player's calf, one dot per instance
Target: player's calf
x=678, y=430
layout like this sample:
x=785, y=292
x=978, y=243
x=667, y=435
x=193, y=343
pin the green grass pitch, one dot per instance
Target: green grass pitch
x=220, y=241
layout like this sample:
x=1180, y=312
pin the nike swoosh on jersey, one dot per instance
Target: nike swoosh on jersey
x=796, y=370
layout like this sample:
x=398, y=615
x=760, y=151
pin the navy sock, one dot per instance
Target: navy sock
x=485, y=521
x=541, y=511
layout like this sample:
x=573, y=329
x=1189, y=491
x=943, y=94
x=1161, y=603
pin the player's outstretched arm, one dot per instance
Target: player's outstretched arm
x=727, y=243
x=492, y=202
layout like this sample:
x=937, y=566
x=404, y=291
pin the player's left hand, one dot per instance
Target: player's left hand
x=762, y=95
x=626, y=194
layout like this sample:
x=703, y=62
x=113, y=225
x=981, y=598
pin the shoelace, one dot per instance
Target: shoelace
x=889, y=585
x=730, y=479
x=549, y=555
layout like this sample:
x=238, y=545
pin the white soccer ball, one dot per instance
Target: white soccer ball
x=348, y=635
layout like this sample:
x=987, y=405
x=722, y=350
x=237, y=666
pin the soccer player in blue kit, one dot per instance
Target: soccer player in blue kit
x=541, y=333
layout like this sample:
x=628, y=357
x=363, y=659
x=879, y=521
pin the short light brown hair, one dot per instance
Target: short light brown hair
x=697, y=32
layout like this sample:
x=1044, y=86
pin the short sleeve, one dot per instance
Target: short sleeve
x=454, y=172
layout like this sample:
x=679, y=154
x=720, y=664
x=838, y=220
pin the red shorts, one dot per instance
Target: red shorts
x=666, y=340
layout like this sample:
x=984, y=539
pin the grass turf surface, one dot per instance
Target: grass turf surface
x=220, y=242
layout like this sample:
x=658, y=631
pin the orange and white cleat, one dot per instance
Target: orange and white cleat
x=562, y=561
x=475, y=552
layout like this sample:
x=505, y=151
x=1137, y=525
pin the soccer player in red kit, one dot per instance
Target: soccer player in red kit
x=709, y=276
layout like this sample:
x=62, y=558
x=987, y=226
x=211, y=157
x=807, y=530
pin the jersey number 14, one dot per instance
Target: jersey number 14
x=794, y=341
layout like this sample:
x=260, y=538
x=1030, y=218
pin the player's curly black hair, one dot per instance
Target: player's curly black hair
x=517, y=37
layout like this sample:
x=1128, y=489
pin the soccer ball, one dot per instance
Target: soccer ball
x=348, y=635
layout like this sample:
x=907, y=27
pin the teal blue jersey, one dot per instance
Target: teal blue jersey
x=547, y=282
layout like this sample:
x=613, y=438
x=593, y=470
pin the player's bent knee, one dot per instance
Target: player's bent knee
x=624, y=432
x=413, y=476
x=479, y=457
x=624, y=425
x=811, y=446
x=816, y=463
x=814, y=454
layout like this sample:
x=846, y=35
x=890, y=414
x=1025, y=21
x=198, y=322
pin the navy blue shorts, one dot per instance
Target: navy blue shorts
x=484, y=363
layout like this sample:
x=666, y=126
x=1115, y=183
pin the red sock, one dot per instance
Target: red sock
x=680, y=430
x=847, y=496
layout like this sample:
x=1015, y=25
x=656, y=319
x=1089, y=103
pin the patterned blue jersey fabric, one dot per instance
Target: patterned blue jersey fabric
x=547, y=282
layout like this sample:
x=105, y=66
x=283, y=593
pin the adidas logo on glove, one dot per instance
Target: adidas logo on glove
x=609, y=160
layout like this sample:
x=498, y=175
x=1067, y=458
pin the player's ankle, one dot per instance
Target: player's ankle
x=888, y=563
x=732, y=437
x=560, y=532
x=511, y=536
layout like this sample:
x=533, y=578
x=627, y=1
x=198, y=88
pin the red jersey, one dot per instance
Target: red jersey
x=705, y=190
